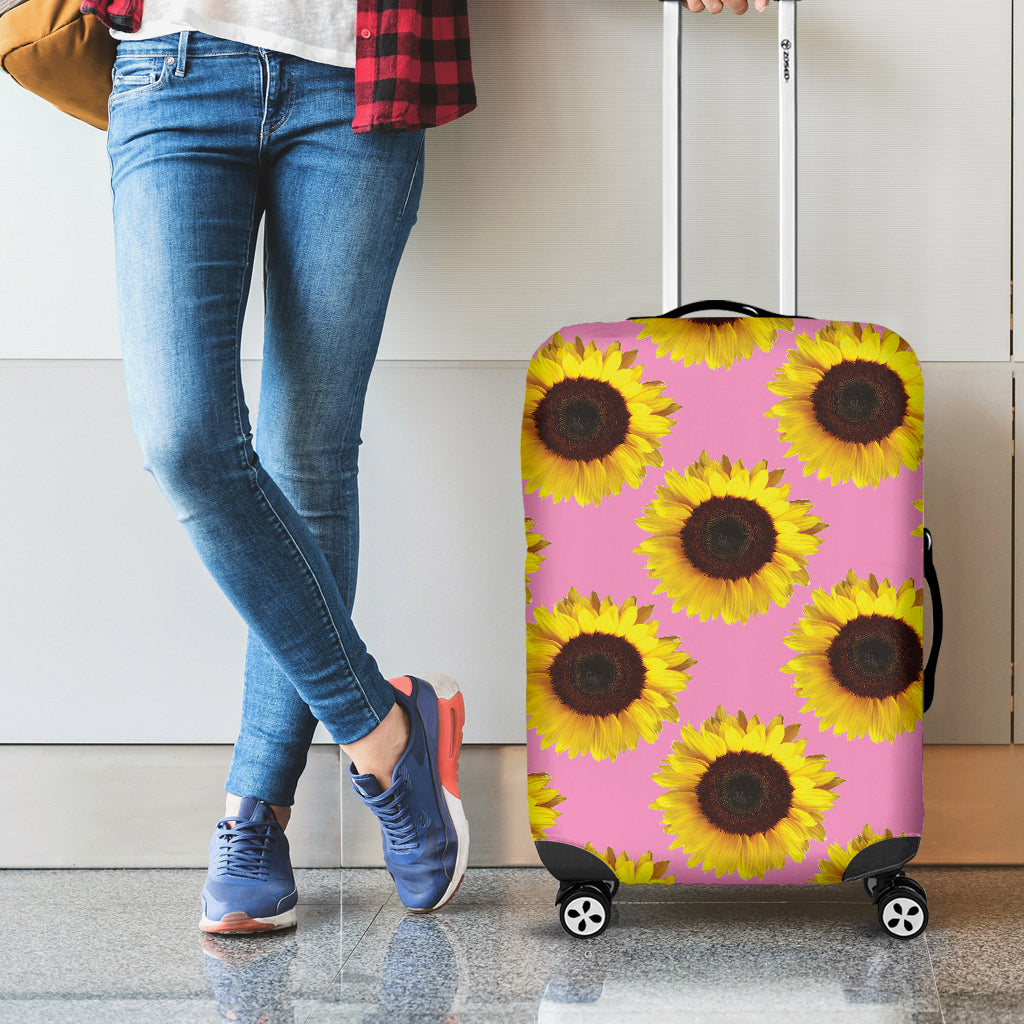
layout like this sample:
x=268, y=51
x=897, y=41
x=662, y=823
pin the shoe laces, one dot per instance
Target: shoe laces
x=244, y=848
x=397, y=821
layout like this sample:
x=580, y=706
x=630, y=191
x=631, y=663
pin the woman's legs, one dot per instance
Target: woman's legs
x=197, y=155
x=194, y=162
x=339, y=209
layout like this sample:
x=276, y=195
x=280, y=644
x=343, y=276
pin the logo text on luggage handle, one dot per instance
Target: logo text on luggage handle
x=786, y=46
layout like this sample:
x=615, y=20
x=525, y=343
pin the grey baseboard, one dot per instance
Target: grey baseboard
x=142, y=806
x=154, y=806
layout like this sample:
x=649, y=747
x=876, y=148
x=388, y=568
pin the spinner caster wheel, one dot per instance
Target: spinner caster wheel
x=903, y=911
x=871, y=886
x=585, y=911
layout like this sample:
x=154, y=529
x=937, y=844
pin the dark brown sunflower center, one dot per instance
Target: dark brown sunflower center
x=713, y=321
x=728, y=538
x=582, y=419
x=876, y=656
x=597, y=674
x=860, y=401
x=745, y=793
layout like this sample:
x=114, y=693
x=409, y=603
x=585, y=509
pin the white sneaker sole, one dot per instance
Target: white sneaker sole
x=447, y=690
x=240, y=923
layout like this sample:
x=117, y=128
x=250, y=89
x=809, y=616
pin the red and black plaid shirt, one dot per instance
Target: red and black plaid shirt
x=412, y=59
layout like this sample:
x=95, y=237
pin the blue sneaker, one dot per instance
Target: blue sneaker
x=249, y=886
x=424, y=828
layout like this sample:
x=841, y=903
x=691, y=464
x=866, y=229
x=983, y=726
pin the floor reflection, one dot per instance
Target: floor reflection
x=251, y=976
x=497, y=954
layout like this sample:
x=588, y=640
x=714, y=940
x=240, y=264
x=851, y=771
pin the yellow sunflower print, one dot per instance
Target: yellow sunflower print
x=741, y=796
x=918, y=531
x=853, y=404
x=599, y=678
x=543, y=802
x=831, y=870
x=728, y=541
x=713, y=340
x=535, y=543
x=590, y=422
x=861, y=660
x=644, y=871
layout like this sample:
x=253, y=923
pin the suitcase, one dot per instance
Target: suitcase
x=725, y=573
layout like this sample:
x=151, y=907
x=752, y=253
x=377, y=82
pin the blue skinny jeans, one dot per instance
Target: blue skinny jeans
x=207, y=136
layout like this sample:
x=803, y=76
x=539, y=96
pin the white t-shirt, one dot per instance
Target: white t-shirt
x=320, y=30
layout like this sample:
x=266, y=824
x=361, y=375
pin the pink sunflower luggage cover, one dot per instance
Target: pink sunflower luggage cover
x=724, y=595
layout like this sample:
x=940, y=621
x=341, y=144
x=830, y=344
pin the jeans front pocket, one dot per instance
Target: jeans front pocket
x=134, y=74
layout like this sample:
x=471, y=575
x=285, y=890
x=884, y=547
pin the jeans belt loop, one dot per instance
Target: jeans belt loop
x=179, y=69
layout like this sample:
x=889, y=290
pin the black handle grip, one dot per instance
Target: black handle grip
x=933, y=588
x=733, y=307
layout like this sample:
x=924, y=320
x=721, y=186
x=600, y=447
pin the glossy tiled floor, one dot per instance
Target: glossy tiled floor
x=122, y=946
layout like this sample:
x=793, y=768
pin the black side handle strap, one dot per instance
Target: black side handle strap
x=735, y=307
x=933, y=587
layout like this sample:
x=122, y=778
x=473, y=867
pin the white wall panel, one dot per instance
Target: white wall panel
x=57, y=260
x=903, y=167
x=111, y=630
x=541, y=207
x=968, y=507
x=441, y=584
x=544, y=204
x=1018, y=153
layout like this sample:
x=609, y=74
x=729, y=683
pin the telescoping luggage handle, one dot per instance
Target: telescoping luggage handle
x=787, y=63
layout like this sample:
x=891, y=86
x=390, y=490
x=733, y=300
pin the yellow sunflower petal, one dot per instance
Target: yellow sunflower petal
x=861, y=663
x=591, y=424
x=753, y=805
x=727, y=542
x=600, y=680
x=860, y=418
x=718, y=342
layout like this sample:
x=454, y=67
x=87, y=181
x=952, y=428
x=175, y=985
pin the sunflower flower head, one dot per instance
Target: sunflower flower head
x=643, y=871
x=860, y=666
x=742, y=796
x=716, y=341
x=543, y=802
x=590, y=422
x=832, y=869
x=852, y=404
x=599, y=678
x=535, y=543
x=728, y=541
